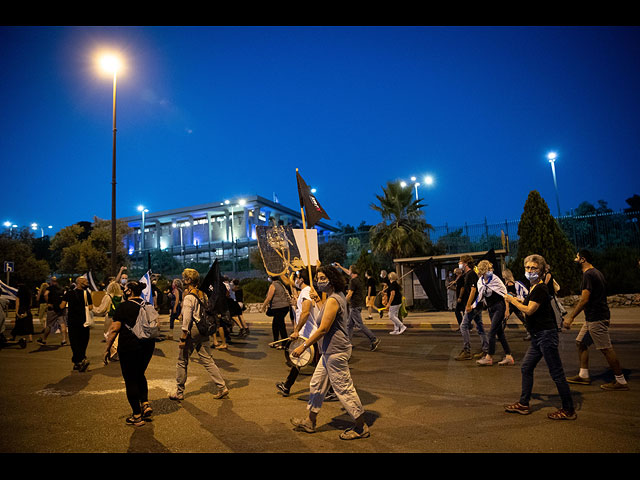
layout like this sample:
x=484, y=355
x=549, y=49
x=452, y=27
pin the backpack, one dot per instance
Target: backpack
x=204, y=320
x=146, y=326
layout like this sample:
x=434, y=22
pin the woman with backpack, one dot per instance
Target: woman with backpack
x=193, y=308
x=134, y=353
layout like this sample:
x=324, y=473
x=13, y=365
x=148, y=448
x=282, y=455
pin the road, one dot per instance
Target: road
x=418, y=399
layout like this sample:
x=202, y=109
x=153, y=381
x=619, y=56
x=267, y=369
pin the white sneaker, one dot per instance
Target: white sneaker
x=404, y=327
x=485, y=361
x=507, y=360
x=394, y=332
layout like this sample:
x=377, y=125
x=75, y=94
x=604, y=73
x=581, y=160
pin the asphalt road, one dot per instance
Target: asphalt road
x=418, y=399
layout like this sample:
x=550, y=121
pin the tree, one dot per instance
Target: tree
x=403, y=231
x=82, y=247
x=27, y=268
x=541, y=234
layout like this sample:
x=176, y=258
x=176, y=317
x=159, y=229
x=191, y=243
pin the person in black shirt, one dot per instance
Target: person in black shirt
x=134, y=353
x=55, y=315
x=370, y=285
x=540, y=322
x=471, y=314
x=595, y=330
x=394, y=302
x=76, y=300
x=355, y=297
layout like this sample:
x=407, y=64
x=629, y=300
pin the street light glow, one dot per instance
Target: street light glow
x=428, y=180
x=552, y=156
x=110, y=63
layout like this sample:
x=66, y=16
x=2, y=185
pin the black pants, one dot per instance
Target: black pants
x=133, y=364
x=79, y=340
x=277, y=326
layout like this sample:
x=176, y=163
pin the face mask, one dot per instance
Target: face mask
x=123, y=281
x=532, y=276
x=324, y=286
x=461, y=266
x=488, y=276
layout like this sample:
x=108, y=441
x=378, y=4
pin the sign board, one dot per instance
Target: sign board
x=8, y=267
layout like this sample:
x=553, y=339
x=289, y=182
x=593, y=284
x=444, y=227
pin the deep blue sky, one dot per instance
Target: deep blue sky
x=208, y=113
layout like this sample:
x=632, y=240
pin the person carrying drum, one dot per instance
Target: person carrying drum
x=333, y=366
x=306, y=325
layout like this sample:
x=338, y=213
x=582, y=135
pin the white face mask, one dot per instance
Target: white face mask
x=461, y=266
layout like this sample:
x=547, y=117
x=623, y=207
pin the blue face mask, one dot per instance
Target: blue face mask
x=532, y=276
x=488, y=276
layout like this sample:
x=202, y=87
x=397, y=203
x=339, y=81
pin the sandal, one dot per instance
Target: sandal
x=518, y=408
x=135, y=421
x=562, y=414
x=146, y=410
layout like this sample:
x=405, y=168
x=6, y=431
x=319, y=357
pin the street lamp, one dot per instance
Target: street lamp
x=551, y=156
x=143, y=210
x=111, y=64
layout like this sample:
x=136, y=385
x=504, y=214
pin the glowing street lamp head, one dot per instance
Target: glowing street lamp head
x=552, y=156
x=403, y=184
x=428, y=180
x=110, y=63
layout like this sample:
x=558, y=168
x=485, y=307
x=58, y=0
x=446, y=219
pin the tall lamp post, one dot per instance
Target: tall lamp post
x=143, y=210
x=552, y=160
x=111, y=64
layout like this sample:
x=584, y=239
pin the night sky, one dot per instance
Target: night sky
x=210, y=113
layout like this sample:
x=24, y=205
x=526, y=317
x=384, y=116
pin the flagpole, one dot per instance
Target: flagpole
x=306, y=243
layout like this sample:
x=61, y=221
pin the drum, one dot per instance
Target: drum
x=307, y=358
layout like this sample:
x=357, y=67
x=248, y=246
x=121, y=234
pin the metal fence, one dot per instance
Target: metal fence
x=595, y=232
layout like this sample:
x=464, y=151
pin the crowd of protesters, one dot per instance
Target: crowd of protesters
x=325, y=311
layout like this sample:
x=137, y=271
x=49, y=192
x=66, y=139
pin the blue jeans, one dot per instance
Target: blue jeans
x=355, y=320
x=544, y=344
x=496, y=312
x=474, y=315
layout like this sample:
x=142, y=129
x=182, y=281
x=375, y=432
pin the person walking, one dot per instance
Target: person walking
x=540, y=322
x=278, y=301
x=41, y=301
x=56, y=318
x=467, y=298
x=491, y=293
x=394, y=303
x=193, y=307
x=370, y=285
x=355, y=298
x=595, y=331
x=518, y=290
x=23, y=326
x=77, y=300
x=333, y=367
x=112, y=298
x=134, y=353
x=175, y=298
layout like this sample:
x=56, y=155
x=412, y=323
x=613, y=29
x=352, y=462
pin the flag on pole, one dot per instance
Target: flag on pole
x=213, y=285
x=147, y=293
x=10, y=293
x=312, y=208
x=92, y=284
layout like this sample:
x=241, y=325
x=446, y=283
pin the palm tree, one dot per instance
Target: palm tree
x=403, y=230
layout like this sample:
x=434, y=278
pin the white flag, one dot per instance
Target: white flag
x=8, y=292
x=147, y=293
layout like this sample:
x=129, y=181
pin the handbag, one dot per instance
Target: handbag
x=88, y=313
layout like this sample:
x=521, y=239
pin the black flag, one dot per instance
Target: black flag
x=314, y=212
x=213, y=286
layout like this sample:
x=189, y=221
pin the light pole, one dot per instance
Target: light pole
x=143, y=210
x=552, y=160
x=111, y=64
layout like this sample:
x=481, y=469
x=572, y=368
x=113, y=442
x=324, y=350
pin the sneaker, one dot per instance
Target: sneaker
x=479, y=354
x=375, y=344
x=562, y=414
x=507, y=360
x=284, y=390
x=221, y=393
x=330, y=396
x=615, y=385
x=62, y=343
x=135, y=421
x=394, y=332
x=176, y=396
x=303, y=425
x=404, y=327
x=464, y=355
x=485, y=361
x=41, y=341
x=351, y=434
x=518, y=408
x=82, y=367
x=579, y=380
